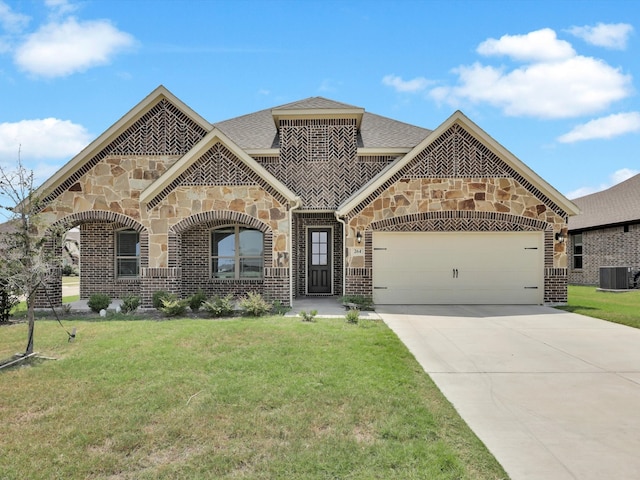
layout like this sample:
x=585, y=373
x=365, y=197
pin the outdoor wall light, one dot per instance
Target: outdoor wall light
x=560, y=237
x=359, y=237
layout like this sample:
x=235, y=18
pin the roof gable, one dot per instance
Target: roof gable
x=618, y=204
x=149, y=128
x=486, y=157
x=182, y=171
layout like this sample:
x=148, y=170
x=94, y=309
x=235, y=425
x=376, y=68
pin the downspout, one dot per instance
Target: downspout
x=295, y=204
x=344, y=249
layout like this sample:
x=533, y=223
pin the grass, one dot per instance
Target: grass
x=621, y=308
x=260, y=398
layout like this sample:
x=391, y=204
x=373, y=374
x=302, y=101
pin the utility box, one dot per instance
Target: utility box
x=615, y=278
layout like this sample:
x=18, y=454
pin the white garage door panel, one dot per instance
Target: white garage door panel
x=461, y=267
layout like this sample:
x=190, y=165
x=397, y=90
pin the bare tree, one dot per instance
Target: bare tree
x=24, y=262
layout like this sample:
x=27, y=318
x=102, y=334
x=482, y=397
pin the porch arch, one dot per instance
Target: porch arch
x=52, y=245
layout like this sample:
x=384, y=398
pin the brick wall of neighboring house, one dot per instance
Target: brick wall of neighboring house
x=302, y=222
x=606, y=247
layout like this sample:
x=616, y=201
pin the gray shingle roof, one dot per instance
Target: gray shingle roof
x=258, y=131
x=618, y=204
x=314, y=103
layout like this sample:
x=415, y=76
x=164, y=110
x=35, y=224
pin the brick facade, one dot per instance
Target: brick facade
x=605, y=247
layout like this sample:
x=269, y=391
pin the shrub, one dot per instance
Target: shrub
x=130, y=303
x=173, y=307
x=7, y=301
x=353, y=316
x=158, y=296
x=360, y=301
x=254, y=304
x=196, y=300
x=68, y=270
x=219, y=306
x=99, y=301
x=278, y=308
x=308, y=316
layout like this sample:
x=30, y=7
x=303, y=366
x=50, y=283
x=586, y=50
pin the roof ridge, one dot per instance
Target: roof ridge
x=613, y=188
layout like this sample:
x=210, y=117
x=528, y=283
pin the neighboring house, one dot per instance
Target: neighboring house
x=606, y=233
x=315, y=197
x=71, y=249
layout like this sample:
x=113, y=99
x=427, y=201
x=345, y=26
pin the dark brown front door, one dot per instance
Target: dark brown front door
x=319, y=260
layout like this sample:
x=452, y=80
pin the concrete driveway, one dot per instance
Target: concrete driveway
x=553, y=395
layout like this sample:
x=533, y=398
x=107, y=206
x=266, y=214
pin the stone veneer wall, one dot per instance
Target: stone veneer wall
x=301, y=223
x=606, y=247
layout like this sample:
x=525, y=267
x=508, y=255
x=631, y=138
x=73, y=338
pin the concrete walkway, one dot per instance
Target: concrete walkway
x=553, y=395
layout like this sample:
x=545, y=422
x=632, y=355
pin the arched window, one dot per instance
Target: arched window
x=127, y=253
x=236, y=252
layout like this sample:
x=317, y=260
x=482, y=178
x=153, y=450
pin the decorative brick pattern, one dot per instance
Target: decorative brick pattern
x=318, y=161
x=457, y=154
x=218, y=166
x=164, y=130
x=606, y=247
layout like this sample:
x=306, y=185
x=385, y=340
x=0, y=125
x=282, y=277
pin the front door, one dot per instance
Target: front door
x=319, y=260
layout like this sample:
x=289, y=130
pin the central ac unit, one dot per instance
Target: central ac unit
x=614, y=278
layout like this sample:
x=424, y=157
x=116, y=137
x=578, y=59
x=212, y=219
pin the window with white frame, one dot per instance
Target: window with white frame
x=236, y=252
x=127, y=253
x=577, y=250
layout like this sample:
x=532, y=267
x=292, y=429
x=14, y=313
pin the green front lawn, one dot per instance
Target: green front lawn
x=264, y=398
x=621, y=308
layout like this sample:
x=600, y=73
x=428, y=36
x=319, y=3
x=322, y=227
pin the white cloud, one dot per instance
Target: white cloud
x=60, y=49
x=569, y=88
x=47, y=138
x=615, y=178
x=605, y=127
x=415, y=85
x=609, y=35
x=61, y=7
x=541, y=45
x=10, y=21
x=556, y=83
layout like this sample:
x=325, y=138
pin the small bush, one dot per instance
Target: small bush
x=7, y=301
x=158, y=296
x=68, y=270
x=360, y=301
x=130, y=303
x=278, y=308
x=196, y=300
x=353, y=316
x=172, y=307
x=308, y=316
x=99, y=301
x=254, y=304
x=219, y=306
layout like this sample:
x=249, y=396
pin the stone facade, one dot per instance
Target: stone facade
x=606, y=247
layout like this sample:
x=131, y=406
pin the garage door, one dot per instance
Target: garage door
x=458, y=268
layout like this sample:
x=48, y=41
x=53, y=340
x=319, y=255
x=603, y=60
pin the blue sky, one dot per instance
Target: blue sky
x=555, y=82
